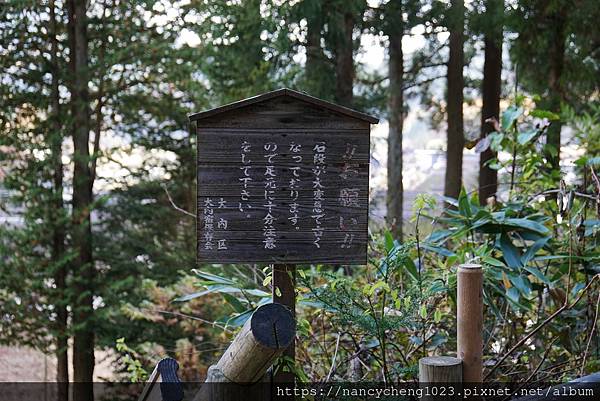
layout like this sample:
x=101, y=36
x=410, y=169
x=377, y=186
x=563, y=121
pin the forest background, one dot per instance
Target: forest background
x=488, y=107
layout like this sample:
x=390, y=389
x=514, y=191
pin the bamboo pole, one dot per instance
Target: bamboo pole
x=440, y=369
x=470, y=321
x=262, y=339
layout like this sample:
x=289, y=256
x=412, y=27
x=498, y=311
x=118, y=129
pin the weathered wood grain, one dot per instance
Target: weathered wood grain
x=440, y=369
x=469, y=321
x=282, y=179
x=287, y=93
x=269, y=331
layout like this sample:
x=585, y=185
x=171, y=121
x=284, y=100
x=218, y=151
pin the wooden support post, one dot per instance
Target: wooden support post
x=264, y=337
x=163, y=384
x=284, y=293
x=470, y=321
x=440, y=369
x=436, y=370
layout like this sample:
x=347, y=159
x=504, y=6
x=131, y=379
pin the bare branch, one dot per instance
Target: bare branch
x=175, y=206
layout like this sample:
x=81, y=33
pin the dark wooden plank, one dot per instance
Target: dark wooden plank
x=288, y=93
x=211, y=142
x=284, y=182
x=282, y=112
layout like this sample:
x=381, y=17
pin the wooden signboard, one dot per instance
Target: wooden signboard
x=283, y=177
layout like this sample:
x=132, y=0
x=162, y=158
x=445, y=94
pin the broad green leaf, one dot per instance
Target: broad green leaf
x=538, y=274
x=234, y=302
x=223, y=289
x=256, y=293
x=510, y=252
x=527, y=224
x=210, y=289
x=496, y=143
x=492, y=261
x=437, y=286
x=213, y=277
x=439, y=236
x=389, y=241
x=521, y=284
x=464, y=205
x=438, y=249
x=411, y=268
x=533, y=249
x=513, y=294
x=450, y=201
x=526, y=136
x=240, y=319
x=509, y=117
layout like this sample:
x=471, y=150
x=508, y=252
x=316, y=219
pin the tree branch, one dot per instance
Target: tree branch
x=175, y=206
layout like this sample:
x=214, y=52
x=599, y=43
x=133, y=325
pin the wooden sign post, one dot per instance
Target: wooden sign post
x=469, y=321
x=283, y=179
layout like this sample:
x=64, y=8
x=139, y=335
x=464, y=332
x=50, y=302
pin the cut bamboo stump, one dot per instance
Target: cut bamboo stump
x=440, y=369
x=238, y=373
x=470, y=321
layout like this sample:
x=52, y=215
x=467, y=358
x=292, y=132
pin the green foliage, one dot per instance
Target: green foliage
x=133, y=365
x=521, y=136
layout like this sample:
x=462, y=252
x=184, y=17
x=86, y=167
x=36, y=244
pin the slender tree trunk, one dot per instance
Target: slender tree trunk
x=491, y=88
x=556, y=60
x=396, y=120
x=344, y=61
x=315, y=58
x=58, y=235
x=455, y=135
x=83, y=340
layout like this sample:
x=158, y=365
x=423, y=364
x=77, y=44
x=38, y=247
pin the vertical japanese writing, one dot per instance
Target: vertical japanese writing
x=209, y=224
x=348, y=196
x=345, y=225
x=318, y=170
x=294, y=182
x=222, y=226
x=349, y=166
x=269, y=231
x=245, y=178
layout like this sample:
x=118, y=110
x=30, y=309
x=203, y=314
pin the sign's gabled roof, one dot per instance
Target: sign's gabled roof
x=285, y=92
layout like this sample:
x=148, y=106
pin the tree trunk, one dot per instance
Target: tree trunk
x=315, y=58
x=83, y=340
x=58, y=235
x=490, y=91
x=344, y=61
x=556, y=60
x=396, y=119
x=455, y=135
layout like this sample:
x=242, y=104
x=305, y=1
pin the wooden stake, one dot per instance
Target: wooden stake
x=264, y=337
x=440, y=369
x=470, y=321
x=284, y=293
